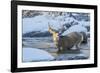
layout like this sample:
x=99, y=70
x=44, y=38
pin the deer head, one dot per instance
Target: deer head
x=54, y=33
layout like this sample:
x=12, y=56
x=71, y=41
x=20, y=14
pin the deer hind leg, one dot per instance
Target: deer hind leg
x=79, y=43
x=78, y=46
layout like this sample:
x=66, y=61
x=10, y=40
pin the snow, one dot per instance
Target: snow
x=40, y=23
x=84, y=23
x=34, y=54
x=75, y=28
x=34, y=24
x=70, y=19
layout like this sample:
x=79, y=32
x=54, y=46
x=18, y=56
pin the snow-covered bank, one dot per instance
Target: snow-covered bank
x=34, y=54
x=40, y=22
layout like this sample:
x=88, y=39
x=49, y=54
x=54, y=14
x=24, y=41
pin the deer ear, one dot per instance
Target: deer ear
x=49, y=25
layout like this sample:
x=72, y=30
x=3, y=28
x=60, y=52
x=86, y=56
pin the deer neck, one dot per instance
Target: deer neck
x=55, y=37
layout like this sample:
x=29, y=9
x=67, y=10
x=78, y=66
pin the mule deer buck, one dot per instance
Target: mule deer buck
x=68, y=41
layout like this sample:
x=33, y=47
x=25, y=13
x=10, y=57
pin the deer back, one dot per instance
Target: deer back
x=69, y=40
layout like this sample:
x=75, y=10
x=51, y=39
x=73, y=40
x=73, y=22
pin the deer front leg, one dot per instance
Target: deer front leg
x=59, y=49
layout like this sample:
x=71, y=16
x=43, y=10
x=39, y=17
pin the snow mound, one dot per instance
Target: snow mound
x=75, y=28
x=84, y=23
x=34, y=24
x=34, y=54
x=38, y=23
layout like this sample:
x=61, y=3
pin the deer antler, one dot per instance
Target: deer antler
x=51, y=29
